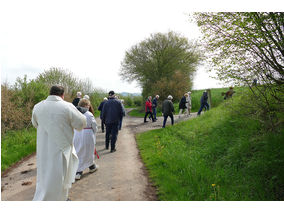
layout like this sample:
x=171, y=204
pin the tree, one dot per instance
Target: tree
x=157, y=59
x=247, y=46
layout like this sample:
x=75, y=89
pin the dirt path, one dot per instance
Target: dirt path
x=121, y=175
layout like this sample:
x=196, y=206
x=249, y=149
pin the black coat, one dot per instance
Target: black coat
x=100, y=108
x=204, y=98
x=167, y=107
x=76, y=101
x=182, y=103
x=112, y=111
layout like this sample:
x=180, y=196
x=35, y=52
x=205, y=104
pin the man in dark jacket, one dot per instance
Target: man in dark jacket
x=77, y=99
x=154, y=106
x=167, y=110
x=203, y=102
x=100, y=108
x=112, y=114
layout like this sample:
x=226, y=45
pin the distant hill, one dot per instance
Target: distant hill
x=129, y=94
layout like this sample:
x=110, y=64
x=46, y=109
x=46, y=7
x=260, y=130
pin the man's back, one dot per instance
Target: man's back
x=112, y=111
x=167, y=107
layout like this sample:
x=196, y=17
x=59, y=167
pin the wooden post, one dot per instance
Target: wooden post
x=209, y=98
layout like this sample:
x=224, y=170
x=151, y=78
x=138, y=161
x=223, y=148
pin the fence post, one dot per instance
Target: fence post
x=209, y=97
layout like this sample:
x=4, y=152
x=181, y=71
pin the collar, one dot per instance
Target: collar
x=54, y=98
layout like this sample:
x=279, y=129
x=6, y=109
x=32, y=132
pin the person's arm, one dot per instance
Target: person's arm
x=94, y=124
x=78, y=120
x=34, y=120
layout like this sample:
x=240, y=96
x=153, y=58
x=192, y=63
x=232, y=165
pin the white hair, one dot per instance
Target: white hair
x=79, y=94
x=105, y=98
x=170, y=97
x=86, y=97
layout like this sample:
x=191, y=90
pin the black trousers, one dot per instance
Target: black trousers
x=165, y=120
x=102, y=125
x=111, y=129
x=151, y=115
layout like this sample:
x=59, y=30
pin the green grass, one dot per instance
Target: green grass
x=15, y=145
x=233, y=153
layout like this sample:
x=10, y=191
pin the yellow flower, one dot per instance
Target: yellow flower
x=213, y=184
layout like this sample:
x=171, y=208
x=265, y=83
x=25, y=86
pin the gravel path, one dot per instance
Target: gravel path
x=121, y=175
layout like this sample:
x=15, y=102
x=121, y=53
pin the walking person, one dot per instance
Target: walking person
x=148, y=109
x=100, y=108
x=182, y=104
x=77, y=99
x=57, y=162
x=123, y=114
x=168, y=110
x=203, y=102
x=154, y=106
x=85, y=141
x=112, y=113
x=188, y=103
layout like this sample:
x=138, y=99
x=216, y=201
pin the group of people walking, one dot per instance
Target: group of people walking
x=66, y=135
x=66, y=138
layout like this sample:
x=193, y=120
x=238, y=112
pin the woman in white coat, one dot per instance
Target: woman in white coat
x=85, y=140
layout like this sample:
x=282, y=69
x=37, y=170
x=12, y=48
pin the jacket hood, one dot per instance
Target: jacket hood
x=82, y=109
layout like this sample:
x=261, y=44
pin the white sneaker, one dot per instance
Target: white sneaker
x=78, y=176
x=93, y=168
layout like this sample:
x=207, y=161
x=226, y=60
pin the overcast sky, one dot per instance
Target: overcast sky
x=89, y=38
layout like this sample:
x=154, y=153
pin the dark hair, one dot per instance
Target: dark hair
x=111, y=93
x=56, y=90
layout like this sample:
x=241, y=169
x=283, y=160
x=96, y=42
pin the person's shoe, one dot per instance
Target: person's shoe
x=103, y=131
x=113, y=150
x=93, y=168
x=78, y=175
x=145, y=121
x=68, y=199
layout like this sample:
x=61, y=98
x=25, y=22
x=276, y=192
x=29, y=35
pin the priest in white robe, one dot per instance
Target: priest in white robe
x=57, y=162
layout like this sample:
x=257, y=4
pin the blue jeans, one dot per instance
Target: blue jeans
x=112, y=129
x=203, y=105
x=165, y=120
x=155, y=113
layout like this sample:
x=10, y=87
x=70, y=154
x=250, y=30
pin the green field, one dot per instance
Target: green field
x=16, y=145
x=217, y=156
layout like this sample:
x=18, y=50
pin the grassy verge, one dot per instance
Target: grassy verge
x=15, y=145
x=218, y=156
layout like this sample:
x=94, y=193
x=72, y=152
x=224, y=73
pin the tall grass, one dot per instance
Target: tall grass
x=15, y=145
x=218, y=156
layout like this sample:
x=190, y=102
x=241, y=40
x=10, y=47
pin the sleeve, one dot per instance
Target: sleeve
x=78, y=120
x=94, y=124
x=34, y=120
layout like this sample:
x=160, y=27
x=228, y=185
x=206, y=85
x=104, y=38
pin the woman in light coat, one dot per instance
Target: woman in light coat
x=85, y=140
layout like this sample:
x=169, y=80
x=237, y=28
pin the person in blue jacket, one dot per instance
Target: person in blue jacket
x=112, y=114
x=203, y=102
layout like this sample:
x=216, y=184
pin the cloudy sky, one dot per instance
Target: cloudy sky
x=90, y=37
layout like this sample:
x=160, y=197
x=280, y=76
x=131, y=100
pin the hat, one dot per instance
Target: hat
x=170, y=97
x=111, y=93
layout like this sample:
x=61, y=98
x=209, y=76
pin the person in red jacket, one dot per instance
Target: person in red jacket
x=148, y=109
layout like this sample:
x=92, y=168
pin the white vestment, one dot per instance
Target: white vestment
x=57, y=162
x=84, y=142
